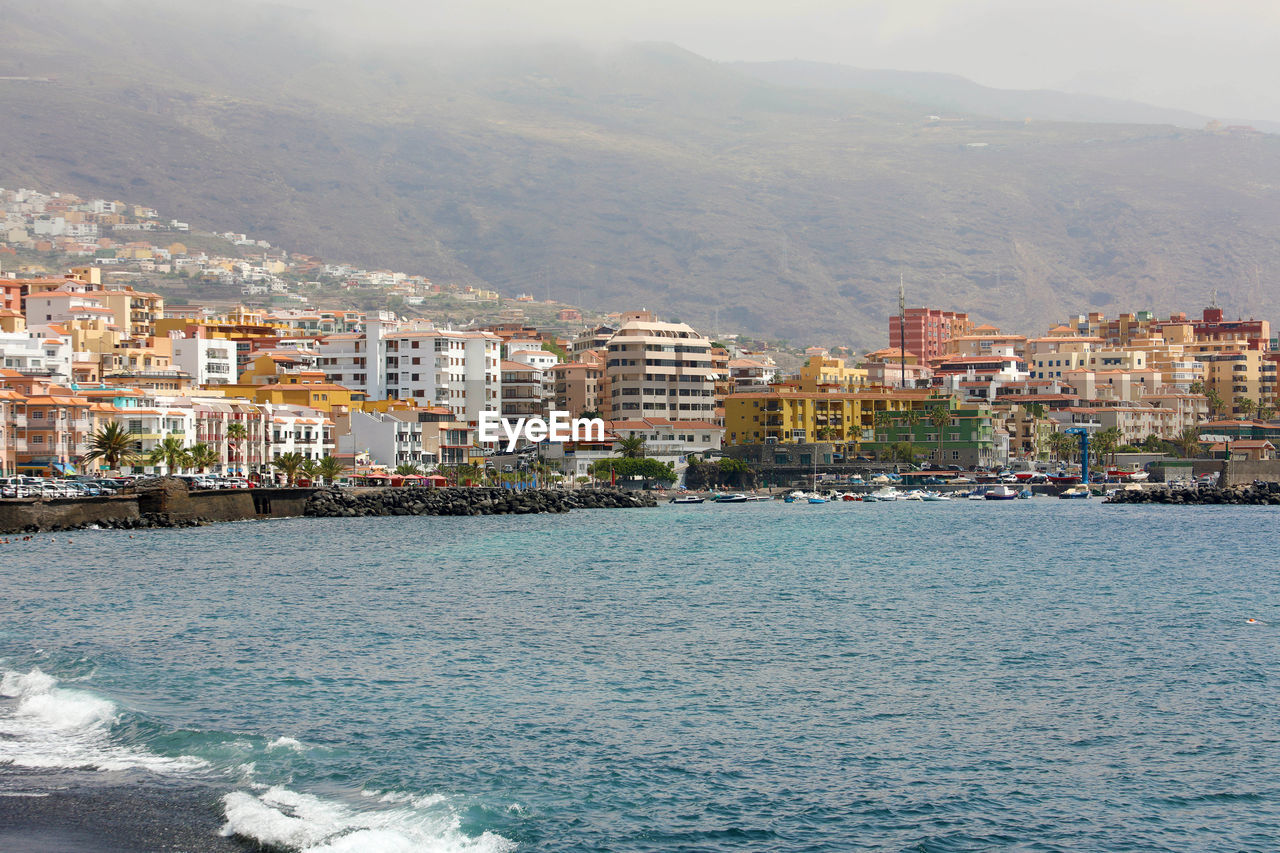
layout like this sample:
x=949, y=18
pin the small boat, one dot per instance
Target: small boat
x=850, y=496
x=1076, y=493
x=792, y=497
x=977, y=495
x=1025, y=493
x=1139, y=476
x=756, y=498
x=687, y=499
x=1000, y=493
x=1064, y=479
x=817, y=499
x=888, y=493
x=934, y=496
x=731, y=499
x=913, y=495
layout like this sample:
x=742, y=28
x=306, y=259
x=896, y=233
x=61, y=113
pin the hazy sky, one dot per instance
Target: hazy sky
x=1219, y=58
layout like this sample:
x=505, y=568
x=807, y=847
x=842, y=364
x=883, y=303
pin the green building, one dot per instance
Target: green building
x=967, y=438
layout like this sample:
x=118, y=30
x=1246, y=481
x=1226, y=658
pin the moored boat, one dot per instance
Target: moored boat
x=1076, y=493
x=731, y=499
x=687, y=499
x=1000, y=493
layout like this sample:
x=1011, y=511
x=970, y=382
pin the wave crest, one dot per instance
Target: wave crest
x=284, y=818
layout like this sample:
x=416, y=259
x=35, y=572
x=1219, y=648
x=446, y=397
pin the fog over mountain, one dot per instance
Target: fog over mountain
x=787, y=198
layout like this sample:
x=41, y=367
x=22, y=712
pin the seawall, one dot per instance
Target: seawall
x=1259, y=494
x=168, y=503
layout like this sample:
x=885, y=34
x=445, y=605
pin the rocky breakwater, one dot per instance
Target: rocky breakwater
x=1256, y=494
x=353, y=503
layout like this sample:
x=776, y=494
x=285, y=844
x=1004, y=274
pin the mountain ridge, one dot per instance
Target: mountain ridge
x=644, y=175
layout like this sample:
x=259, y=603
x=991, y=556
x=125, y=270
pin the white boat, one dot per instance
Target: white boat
x=913, y=495
x=755, y=498
x=816, y=498
x=977, y=495
x=792, y=497
x=1139, y=476
x=888, y=493
x=731, y=499
x=1000, y=493
x=934, y=496
x=687, y=499
x=1076, y=492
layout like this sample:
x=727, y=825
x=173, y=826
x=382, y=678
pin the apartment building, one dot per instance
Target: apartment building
x=659, y=370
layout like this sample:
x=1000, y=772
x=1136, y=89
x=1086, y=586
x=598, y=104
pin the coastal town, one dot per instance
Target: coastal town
x=277, y=367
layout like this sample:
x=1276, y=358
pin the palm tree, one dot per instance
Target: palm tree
x=330, y=468
x=290, y=464
x=1265, y=412
x=940, y=419
x=632, y=447
x=1188, y=442
x=1062, y=445
x=236, y=434
x=170, y=453
x=113, y=444
x=1215, y=402
x=202, y=456
x=406, y=469
x=1105, y=442
x=1246, y=406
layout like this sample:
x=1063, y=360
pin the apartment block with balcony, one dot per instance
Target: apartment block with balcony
x=659, y=370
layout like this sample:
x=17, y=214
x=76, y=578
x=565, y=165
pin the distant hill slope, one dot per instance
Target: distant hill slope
x=954, y=94
x=645, y=176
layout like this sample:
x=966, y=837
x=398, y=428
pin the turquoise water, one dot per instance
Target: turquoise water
x=1030, y=675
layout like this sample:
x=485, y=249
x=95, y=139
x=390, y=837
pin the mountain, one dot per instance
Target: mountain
x=952, y=94
x=638, y=176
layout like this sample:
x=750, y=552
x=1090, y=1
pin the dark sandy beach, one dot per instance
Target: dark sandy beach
x=72, y=811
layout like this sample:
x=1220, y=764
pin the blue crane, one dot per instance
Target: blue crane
x=1083, y=435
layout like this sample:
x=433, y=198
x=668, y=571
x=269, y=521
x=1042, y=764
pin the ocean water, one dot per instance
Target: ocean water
x=1031, y=675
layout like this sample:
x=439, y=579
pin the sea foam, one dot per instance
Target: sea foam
x=45, y=725
x=283, y=818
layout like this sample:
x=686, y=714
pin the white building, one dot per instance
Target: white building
x=434, y=367
x=210, y=361
x=30, y=354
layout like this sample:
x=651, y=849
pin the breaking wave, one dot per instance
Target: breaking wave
x=44, y=725
x=283, y=818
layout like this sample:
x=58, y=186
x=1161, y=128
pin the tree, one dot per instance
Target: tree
x=1245, y=406
x=202, y=456
x=236, y=435
x=170, y=453
x=113, y=444
x=1062, y=445
x=1188, y=442
x=883, y=419
x=627, y=468
x=632, y=447
x=940, y=419
x=1215, y=402
x=289, y=464
x=407, y=469
x=1265, y=412
x=330, y=468
x=1105, y=442
x=904, y=451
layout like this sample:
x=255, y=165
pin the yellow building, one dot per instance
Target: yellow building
x=302, y=389
x=821, y=370
x=135, y=311
x=797, y=417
